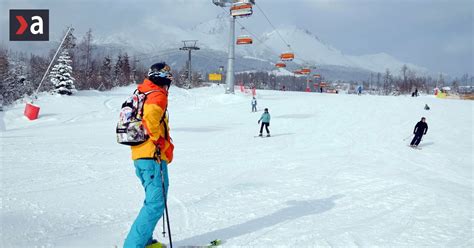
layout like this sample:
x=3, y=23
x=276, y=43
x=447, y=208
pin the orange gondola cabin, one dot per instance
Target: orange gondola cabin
x=241, y=9
x=280, y=65
x=305, y=71
x=288, y=56
x=244, y=40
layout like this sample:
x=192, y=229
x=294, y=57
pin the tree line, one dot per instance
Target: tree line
x=387, y=83
x=92, y=68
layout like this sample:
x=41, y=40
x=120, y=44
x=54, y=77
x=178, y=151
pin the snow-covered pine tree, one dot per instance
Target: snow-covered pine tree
x=15, y=84
x=61, y=77
x=105, y=74
x=126, y=70
x=118, y=73
x=37, y=67
x=3, y=74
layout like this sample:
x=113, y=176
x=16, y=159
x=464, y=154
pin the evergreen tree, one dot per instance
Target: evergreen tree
x=126, y=70
x=61, y=77
x=118, y=74
x=15, y=84
x=37, y=67
x=3, y=73
x=105, y=75
x=387, y=82
x=3, y=63
x=83, y=61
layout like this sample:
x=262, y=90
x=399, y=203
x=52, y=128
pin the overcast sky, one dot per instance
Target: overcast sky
x=437, y=34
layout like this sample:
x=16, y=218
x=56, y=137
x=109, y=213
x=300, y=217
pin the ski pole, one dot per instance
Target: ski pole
x=164, y=232
x=166, y=205
x=407, y=137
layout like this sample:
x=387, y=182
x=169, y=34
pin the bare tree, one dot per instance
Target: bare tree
x=85, y=69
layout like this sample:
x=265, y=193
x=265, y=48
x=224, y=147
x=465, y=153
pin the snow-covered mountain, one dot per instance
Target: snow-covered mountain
x=212, y=37
x=163, y=43
x=308, y=48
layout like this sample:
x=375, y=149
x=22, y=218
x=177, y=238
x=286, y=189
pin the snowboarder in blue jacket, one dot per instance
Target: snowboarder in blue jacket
x=265, y=119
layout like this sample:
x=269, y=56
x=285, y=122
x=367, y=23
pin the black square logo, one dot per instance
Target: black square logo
x=29, y=25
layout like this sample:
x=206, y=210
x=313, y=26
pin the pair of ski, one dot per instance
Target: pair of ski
x=415, y=147
x=262, y=136
x=212, y=244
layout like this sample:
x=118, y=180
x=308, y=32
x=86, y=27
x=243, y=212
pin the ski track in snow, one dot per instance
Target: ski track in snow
x=336, y=172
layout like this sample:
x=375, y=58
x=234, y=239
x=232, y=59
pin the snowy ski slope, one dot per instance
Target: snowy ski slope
x=337, y=172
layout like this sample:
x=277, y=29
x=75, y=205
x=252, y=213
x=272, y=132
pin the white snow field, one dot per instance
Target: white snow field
x=336, y=173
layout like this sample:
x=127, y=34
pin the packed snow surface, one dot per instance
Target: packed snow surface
x=337, y=171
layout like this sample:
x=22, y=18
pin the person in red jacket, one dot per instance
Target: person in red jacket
x=152, y=157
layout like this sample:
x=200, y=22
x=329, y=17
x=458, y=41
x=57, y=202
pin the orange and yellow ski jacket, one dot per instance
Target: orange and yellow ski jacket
x=157, y=128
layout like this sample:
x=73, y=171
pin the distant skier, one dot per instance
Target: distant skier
x=359, y=90
x=152, y=157
x=427, y=107
x=420, y=129
x=254, y=104
x=265, y=119
x=416, y=92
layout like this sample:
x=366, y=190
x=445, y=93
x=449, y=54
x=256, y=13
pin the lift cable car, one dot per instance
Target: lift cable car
x=287, y=56
x=244, y=40
x=305, y=71
x=280, y=64
x=241, y=8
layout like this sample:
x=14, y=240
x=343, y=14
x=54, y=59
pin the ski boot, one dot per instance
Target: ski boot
x=215, y=243
x=155, y=244
x=260, y=135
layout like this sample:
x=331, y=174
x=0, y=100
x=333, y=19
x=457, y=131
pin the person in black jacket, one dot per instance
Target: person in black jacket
x=420, y=129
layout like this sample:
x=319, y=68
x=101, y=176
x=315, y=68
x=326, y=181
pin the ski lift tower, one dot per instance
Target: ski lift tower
x=238, y=8
x=189, y=45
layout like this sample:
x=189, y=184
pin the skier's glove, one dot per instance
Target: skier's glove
x=258, y=122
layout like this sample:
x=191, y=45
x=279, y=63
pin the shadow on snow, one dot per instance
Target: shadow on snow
x=294, y=210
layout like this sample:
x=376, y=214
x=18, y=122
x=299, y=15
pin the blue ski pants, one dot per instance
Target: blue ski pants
x=141, y=232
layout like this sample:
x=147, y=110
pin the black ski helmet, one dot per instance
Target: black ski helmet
x=266, y=109
x=160, y=74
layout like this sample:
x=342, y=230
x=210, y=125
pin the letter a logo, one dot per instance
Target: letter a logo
x=29, y=25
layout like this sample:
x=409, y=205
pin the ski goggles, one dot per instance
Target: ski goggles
x=163, y=73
